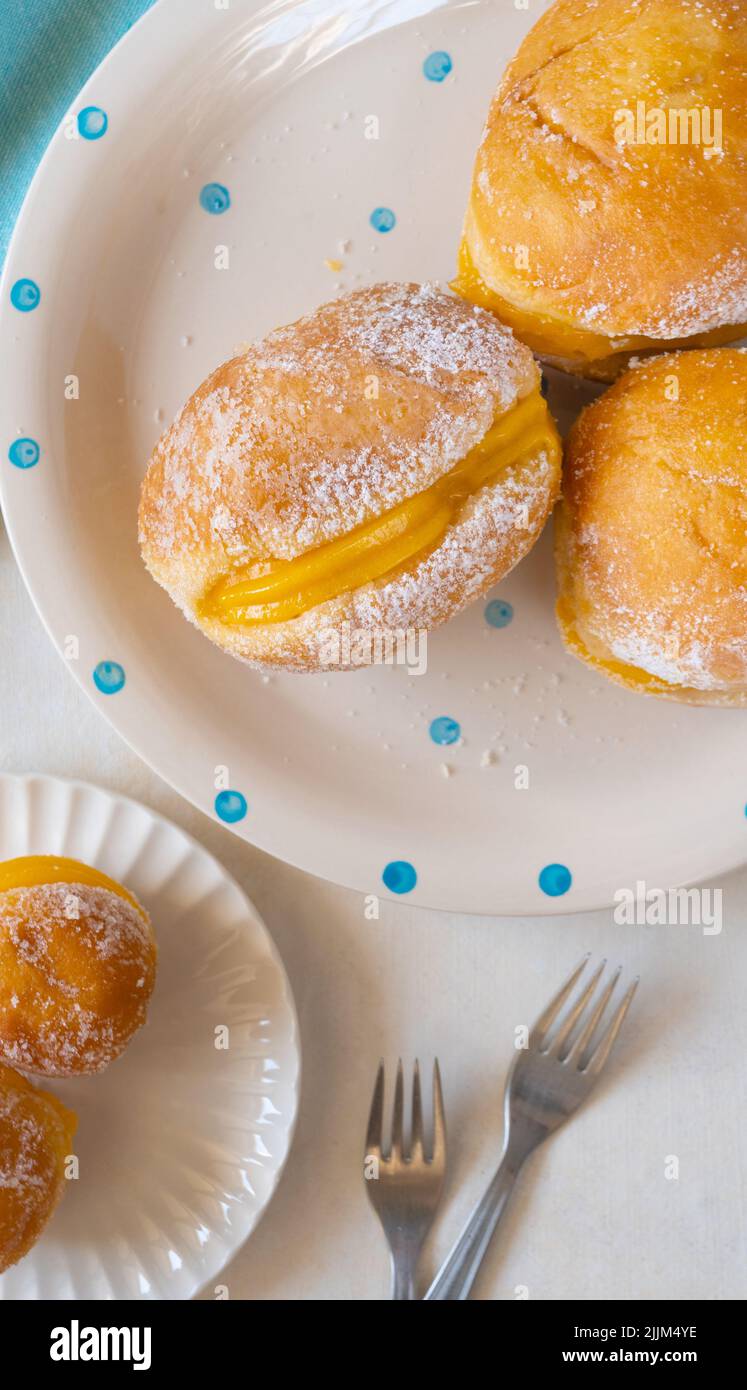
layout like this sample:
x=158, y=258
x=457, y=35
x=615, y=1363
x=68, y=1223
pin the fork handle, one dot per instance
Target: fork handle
x=402, y=1281
x=459, y=1270
x=404, y=1252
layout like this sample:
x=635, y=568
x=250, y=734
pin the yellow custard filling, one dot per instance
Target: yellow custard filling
x=379, y=547
x=34, y=870
x=560, y=338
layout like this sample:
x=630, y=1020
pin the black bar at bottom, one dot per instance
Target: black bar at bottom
x=207, y=1338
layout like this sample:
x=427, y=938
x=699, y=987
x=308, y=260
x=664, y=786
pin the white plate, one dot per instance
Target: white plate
x=180, y=1143
x=339, y=775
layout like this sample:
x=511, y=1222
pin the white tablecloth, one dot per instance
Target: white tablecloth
x=596, y=1214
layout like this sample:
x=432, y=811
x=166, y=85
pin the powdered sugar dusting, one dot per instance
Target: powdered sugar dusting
x=33, y=1137
x=495, y=528
x=73, y=988
x=464, y=565
x=327, y=423
x=652, y=554
x=717, y=296
x=623, y=236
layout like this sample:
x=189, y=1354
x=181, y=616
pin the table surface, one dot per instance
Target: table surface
x=598, y=1213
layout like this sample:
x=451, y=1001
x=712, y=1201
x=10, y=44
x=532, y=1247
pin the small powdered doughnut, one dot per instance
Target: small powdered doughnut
x=365, y=471
x=36, y=1135
x=651, y=535
x=608, y=211
x=77, y=966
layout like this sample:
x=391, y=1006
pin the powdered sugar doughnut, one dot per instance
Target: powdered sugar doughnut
x=77, y=966
x=372, y=467
x=608, y=211
x=36, y=1135
x=651, y=536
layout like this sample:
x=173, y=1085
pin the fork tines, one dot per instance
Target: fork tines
x=397, y=1150
x=571, y=1041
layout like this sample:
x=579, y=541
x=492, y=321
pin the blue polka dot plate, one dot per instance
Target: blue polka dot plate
x=180, y=1142
x=228, y=168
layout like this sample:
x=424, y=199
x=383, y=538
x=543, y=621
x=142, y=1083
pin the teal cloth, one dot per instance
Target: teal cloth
x=48, y=50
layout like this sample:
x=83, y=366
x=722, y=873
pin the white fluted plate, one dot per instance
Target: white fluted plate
x=180, y=1143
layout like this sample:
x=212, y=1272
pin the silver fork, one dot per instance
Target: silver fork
x=404, y=1186
x=546, y=1084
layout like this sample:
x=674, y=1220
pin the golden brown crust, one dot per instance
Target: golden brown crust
x=651, y=535
x=325, y=425
x=36, y=1134
x=620, y=242
x=77, y=969
x=492, y=532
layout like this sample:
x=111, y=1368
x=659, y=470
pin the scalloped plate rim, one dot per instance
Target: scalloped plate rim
x=292, y=1043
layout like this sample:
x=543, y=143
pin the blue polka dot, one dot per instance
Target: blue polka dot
x=24, y=453
x=215, y=199
x=92, y=122
x=437, y=66
x=109, y=677
x=399, y=876
x=445, y=730
x=382, y=219
x=230, y=806
x=25, y=295
x=555, y=880
x=498, y=613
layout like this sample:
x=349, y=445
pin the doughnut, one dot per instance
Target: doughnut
x=36, y=1135
x=369, y=469
x=651, y=535
x=77, y=966
x=608, y=210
